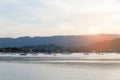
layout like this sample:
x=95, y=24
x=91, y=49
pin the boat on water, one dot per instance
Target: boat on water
x=23, y=54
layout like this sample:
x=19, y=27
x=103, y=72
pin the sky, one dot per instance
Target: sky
x=58, y=17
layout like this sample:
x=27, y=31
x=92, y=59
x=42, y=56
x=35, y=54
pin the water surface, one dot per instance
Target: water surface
x=60, y=70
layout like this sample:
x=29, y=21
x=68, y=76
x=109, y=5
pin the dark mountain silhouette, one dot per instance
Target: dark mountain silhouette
x=106, y=46
x=69, y=41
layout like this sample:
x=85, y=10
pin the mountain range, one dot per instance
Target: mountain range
x=67, y=41
x=106, y=46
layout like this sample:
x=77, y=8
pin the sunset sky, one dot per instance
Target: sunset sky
x=58, y=17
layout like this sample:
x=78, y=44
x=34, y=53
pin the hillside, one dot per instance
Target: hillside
x=68, y=41
x=106, y=46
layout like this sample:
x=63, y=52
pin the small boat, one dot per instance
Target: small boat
x=23, y=54
x=86, y=54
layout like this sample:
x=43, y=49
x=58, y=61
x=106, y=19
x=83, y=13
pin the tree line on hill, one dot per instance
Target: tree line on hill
x=60, y=49
x=67, y=41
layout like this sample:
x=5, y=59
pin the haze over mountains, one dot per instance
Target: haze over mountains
x=108, y=45
x=67, y=41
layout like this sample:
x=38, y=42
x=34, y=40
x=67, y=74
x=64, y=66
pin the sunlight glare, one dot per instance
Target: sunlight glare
x=95, y=30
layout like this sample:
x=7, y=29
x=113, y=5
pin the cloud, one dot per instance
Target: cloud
x=56, y=17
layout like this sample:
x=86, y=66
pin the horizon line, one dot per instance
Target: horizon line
x=64, y=35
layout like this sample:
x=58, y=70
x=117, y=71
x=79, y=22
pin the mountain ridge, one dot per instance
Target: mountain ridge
x=69, y=41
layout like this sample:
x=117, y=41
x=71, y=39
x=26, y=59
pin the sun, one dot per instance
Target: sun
x=94, y=30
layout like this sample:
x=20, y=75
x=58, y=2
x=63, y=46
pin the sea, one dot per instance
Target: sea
x=61, y=67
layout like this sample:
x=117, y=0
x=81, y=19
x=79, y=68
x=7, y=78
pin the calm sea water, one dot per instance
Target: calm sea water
x=60, y=70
